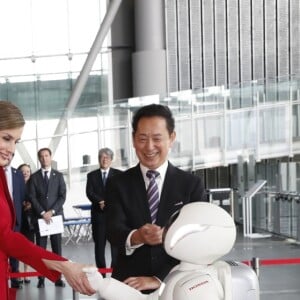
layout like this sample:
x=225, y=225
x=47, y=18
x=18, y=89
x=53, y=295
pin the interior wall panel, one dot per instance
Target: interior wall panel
x=294, y=28
x=220, y=42
x=196, y=44
x=183, y=45
x=245, y=40
x=233, y=42
x=172, y=45
x=283, y=37
x=270, y=39
x=208, y=42
x=215, y=42
x=258, y=60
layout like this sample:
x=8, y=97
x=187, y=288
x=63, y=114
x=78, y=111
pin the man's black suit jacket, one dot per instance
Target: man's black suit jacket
x=54, y=199
x=18, y=195
x=95, y=190
x=127, y=209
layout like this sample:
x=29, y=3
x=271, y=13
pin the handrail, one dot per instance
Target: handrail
x=247, y=208
x=255, y=188
x=230, y=197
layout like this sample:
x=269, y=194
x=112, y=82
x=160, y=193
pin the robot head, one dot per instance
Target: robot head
x=199, y=233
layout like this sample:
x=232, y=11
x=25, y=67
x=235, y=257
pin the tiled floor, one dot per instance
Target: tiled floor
x=276, y=282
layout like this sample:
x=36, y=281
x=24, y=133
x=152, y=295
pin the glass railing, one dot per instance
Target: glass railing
x=214, y=127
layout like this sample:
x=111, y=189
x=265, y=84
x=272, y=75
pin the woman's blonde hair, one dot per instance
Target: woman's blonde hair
x=10, y=116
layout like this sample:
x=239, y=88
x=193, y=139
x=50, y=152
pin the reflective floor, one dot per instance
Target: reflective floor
x=276, y=282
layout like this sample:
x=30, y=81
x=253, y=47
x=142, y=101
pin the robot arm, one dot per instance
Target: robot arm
x=112, y=289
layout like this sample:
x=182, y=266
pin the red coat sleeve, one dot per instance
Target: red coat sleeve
x=15, y=244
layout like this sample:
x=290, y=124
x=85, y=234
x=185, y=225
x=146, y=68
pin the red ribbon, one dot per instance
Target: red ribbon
x=275, y=261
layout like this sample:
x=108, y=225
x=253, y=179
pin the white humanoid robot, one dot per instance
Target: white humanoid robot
x=198, y=236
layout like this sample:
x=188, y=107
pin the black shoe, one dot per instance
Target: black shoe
x=41, y=283
x=26, y=281
x=16, y=285
x=60, y=283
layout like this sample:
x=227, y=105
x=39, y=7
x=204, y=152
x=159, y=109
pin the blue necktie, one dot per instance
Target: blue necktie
x=153, y=194
x=46, y=181
x=104, y=178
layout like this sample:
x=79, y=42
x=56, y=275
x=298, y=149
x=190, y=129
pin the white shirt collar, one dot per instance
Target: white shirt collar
x=8, y=174
x=106, y=171
x=7, y=168
x=162, y=171
x=48, y=170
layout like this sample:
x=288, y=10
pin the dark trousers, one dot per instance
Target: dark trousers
x=99, y=237
x=14, y=265
x=55, y=240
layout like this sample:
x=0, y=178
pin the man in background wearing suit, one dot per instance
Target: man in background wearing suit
x=134, y=227
x=47, y=193
x=95, y=191
x=16, y=186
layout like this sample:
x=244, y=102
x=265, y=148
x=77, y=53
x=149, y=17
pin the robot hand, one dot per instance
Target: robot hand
x=94, y=277
x=112, y=289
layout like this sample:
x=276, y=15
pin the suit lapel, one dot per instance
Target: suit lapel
x=138, y=185
x=99, y=177
x=41, y=181
x=166, y=203
x=110, y=173
x=14, y=181
x=52, y=179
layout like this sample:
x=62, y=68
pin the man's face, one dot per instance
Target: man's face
x=105, y=161
x=45, y=159
x=152, y=141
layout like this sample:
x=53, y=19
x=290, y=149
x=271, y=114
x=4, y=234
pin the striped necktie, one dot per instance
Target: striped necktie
x=153, y=194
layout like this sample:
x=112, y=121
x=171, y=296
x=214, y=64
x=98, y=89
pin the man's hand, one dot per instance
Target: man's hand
x=47, y=216
x=149, y=234
x=26, y=205
x=102, y=204
x=142, y=283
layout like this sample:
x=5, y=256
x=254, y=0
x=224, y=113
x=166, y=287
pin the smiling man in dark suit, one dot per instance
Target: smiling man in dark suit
x=134, y=227
x=47, y=193
x=95, y=191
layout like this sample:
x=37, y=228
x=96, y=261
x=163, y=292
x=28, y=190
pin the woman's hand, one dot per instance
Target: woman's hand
x=73, y=274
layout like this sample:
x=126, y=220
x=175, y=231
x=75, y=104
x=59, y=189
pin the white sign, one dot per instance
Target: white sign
x=55, y=226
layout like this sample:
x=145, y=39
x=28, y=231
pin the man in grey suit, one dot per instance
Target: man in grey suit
x=95, y=191
x=47, y=193
x=135, y=222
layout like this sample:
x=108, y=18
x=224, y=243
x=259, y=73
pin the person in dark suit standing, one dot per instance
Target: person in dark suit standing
x=27, y=226
x=16, y=185
x=95, y=191
x=47, y=193
x=134, y=227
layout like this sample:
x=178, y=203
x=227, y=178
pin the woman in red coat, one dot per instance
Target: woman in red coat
x=14, y=244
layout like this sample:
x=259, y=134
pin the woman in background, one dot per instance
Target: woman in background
x=14, y=244
x=27, y=227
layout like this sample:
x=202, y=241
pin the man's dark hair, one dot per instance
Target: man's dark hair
x=44, y=149
x=154, y=110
